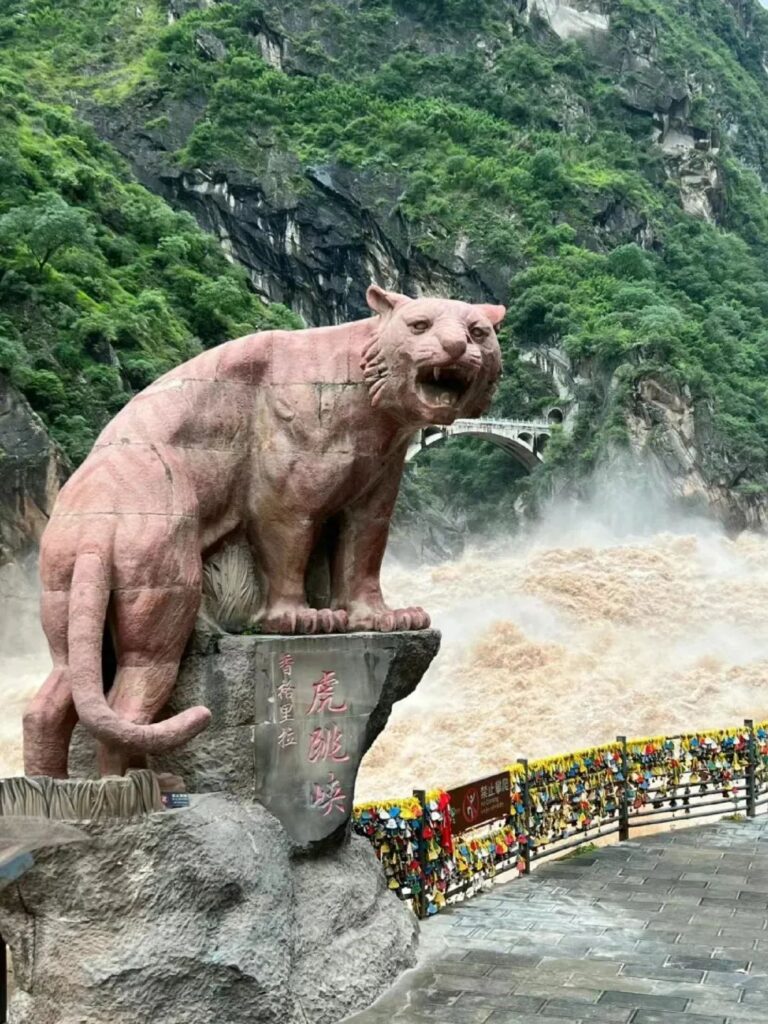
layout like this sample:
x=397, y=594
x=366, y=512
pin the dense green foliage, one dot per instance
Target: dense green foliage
x=102, y=286
x=539, y=156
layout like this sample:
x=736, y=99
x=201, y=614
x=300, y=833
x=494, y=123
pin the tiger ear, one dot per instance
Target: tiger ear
x=384, y=302
x=494, y=313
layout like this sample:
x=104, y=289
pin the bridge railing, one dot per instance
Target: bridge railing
x=496, y=429
x=500, y=424
x=560, y=803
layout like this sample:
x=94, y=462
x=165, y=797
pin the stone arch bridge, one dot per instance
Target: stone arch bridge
x=524, y=440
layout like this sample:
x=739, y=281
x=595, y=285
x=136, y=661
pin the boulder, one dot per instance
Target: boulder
x=207, y=913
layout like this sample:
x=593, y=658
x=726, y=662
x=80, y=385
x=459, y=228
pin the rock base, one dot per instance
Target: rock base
x=205, y=914
x=292, y=718
x=254, y=903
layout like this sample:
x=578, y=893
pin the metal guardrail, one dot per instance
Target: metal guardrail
x=559, y=804
x=684, y=800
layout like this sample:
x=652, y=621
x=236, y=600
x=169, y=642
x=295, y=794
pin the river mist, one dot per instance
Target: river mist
x=613, y=615
x=609, y=616
x=24, y=659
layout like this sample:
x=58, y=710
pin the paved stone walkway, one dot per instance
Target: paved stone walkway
x=666, y=930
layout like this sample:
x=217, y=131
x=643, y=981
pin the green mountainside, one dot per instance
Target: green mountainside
x=600, y=167
x=102, y=286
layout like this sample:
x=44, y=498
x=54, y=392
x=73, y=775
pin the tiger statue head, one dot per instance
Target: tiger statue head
x=431, y=361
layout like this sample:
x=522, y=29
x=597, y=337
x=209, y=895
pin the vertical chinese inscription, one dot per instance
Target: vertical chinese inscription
x=286, y=696
x=326, y=745
x=314, y=698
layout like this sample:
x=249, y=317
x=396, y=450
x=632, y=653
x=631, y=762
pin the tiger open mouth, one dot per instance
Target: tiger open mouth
x=443, y=385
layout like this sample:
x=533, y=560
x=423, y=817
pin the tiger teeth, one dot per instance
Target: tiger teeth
x=436, y=373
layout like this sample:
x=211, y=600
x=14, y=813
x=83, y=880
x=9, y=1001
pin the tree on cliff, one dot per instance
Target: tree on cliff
x=45, y=226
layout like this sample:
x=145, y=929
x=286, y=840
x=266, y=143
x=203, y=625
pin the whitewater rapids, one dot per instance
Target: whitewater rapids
x=552, y=641
x=550, y=647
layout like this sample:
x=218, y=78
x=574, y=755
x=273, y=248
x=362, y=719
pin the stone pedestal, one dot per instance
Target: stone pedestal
x=201, y=915
x=254, y=903
x=292, y=717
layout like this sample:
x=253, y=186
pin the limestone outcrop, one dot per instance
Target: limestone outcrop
x=206, y=913
x=673, y=439
x=32, y=469
x=686, y=459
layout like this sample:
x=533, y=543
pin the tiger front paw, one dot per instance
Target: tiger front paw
x=387, y=620
x=303, y=621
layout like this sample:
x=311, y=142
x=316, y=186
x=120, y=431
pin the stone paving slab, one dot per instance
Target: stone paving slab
x=669, y=929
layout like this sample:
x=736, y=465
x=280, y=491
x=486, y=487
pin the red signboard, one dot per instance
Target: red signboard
x=481, y=801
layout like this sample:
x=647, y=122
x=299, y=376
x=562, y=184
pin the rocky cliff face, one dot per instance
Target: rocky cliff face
x=312, y=238
x=630, y=57
x=312, y=234
x=32, y=469
x=686, y=460
x=672, y=438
